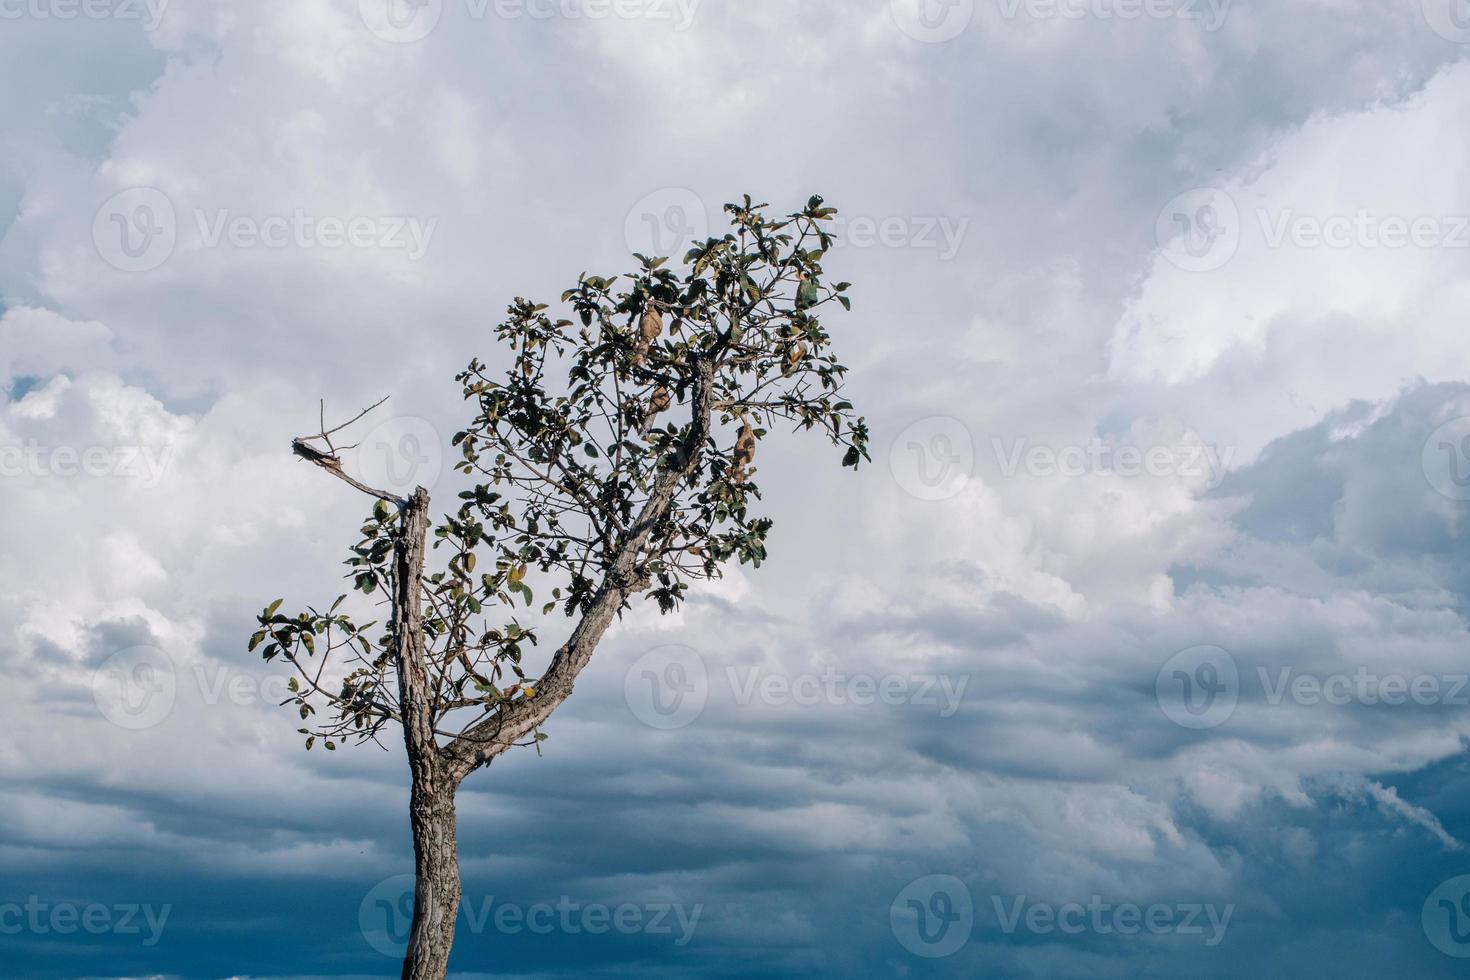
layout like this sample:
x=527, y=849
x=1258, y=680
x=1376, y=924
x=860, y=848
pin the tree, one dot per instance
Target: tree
x=612, y=460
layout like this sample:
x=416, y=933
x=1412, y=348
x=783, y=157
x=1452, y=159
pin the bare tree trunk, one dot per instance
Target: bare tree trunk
x=431, y=806
x=436, y=881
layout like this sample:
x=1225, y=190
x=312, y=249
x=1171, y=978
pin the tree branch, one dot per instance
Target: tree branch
x=333, y=465
x=482, y=742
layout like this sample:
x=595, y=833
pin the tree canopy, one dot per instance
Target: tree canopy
x=612, y=459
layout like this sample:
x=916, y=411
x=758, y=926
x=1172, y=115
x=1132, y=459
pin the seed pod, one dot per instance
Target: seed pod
x=659, y=401
x=649, y=329
x=795, y=354
x=652, y=325
x=744, y=450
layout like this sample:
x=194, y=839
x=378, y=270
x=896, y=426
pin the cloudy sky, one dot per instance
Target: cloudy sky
x=1140, y=651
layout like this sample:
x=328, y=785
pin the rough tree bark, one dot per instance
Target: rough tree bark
x=431, y=805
